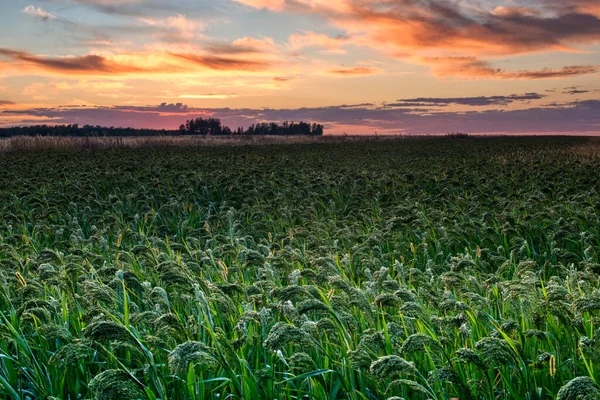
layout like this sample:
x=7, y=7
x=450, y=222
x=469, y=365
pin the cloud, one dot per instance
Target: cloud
x=403, y=104
x=185, y=28
x=407, y=25
x=133, y=63
x=573, y=6
x=574, y=90
x=356, y=71
x=38, y=12
x=573, y=117
x=318, y=40
x=275, y=5
x=243, y=46
x=6, y=103
x=214, y=96
x=78, y=64
x=130, y=8
x=470, y=101
x=474, y=68
x=223, y=63
x=548, y=73
x=444, y=30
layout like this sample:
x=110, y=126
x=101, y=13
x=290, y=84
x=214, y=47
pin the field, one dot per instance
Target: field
x=417, y=268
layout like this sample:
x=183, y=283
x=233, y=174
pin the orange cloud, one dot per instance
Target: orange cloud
x=356, y=71
x=439, y=26
x=223, y=63
x=474, y=68
x=131, y=63
x=89, y=64
x=213, y=96
x=448, y=28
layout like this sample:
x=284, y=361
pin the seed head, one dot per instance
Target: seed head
x=326, y=325
x=54, y=332
x=98, y=292
x=301, y=363
x=71, y=354
x=292, y=293
x=411, y=309
x=106, y=330
x=190, y=352
x=37, y=315
x=588, y=303
x=115, y=384
x=580, y=388
x=417, y=342
x=590, y=348
x=360, y=359
x=398, y=384
x=387, y=300
x=312, y=305
x=495, y=351
x=406, y=295
x=470, y=356
x=390, y=367
x=283, y=334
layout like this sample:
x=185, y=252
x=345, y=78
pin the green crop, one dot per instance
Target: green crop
x=412, y=268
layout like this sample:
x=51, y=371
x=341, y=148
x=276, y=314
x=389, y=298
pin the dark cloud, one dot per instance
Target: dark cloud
x=574, y=90
x=564, y=72
x=131, y=8
x=81, y=64
x=409, y=104
x=573, y=117
x=224, y=63
x=468, y=101
x=571, y=6
x=6, y=103
x=357, y=105
x=230, y=49
x=474, y=68
x=133, y=63
x=442, y=24
x=468, y=28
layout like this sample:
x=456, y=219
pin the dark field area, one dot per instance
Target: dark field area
x=414, y=268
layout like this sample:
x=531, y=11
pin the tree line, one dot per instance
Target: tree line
x=197, y=126
x=75, y=130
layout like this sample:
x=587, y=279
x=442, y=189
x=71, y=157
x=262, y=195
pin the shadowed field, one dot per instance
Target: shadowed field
x=42, y=143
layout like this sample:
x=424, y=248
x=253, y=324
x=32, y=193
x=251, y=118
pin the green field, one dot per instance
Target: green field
x=414, y=268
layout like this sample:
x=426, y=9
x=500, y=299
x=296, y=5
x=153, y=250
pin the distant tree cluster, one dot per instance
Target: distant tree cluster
x=457, y=135
x=201, y=126
x=198, y=126
x=213, y=126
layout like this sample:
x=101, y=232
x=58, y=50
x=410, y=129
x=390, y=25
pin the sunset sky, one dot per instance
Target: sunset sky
x=357, y=66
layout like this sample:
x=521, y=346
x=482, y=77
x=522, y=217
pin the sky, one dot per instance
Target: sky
x=356, y=66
